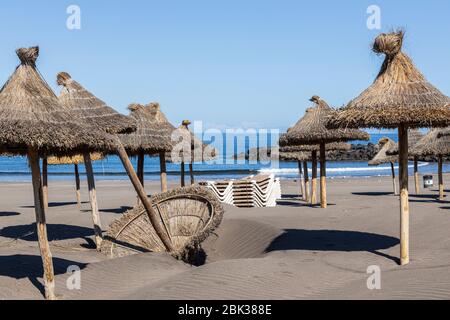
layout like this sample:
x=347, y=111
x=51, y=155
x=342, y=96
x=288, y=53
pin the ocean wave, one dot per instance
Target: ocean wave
x=291, y=171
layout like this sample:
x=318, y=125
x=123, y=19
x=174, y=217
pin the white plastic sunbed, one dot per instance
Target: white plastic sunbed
x=252, y=191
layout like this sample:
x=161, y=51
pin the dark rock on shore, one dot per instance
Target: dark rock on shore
x=358, y=152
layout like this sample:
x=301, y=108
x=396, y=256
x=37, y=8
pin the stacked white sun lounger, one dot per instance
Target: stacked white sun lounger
x=253, y=191
x=222, y=189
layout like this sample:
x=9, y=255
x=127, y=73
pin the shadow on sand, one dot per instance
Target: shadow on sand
x=9, y=213
x=120, y=210
x=426, y=198
x=291, y=196
x=294, y=200
x=423, y=196
x=333, y=240
x=58, y=204
x=55, y=232
x=296, y=203
x=373, y=194
x=29, y=266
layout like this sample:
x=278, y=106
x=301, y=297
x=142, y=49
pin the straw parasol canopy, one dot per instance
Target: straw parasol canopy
x=32, y=117
x=34, y=122
x=435, y=143
x=183, y=140
x=400, y=94
x=402, y=98
x=295, y=156
x=432, y=144
x=94, y=113
x=382, y=157
x=93, y=110
x=78, y=159
x=311, y=128
x=191, y=215
x=334, y=146
x=414, y=135
x=153, y=135
x=154, y=131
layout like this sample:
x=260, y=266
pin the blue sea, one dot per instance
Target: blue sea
x=15, y=169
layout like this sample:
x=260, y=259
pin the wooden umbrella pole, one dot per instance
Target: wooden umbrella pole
x=45, y=181
x=302, y=180
x=314, y=178
x=404, y=201
x=93, y=199
x=140, y=169
x=191, y=172
x=182, y=175
x=306, y=175
x=163, y=170
x=394, y=182
x=416, y=175
x=441, y=178
x=323, y=177
x=153, y=216
x=44, y=247
x=191, y=163
x=77, y=184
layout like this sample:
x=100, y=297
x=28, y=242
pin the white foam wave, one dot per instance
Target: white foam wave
x=292, y=171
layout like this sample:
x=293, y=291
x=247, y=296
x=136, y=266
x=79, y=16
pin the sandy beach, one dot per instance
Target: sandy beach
x=292, y=251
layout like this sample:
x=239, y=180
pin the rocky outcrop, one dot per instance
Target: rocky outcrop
x=358, y=152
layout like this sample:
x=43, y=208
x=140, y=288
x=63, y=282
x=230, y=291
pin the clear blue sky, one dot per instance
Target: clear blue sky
x=226, y=62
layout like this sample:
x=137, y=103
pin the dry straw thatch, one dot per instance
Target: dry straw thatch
x=381, y=157
x=400, y=95
x=303, y=153
x=311, y=128
x=154, y=131
x=334, y=146
x=295, y=156
x=32, y=116
x=189, y=215
x=78, y=159
x=400, y=98
x=414, y=135
x=33, y=121
x=91, y=109
x=432, y=144
x=188, y=148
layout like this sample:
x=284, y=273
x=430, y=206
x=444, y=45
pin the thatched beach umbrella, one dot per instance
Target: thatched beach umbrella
x=311, y=130
x=414, y=135
x=381, y=157
x=75, y=161
x=189, y=149
x=302, y=159
x=97, y=114
x=33, y=122
x=90, y=108
x=302, y=154
x=434, y=144
x=400, y=98
x=153, y=136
